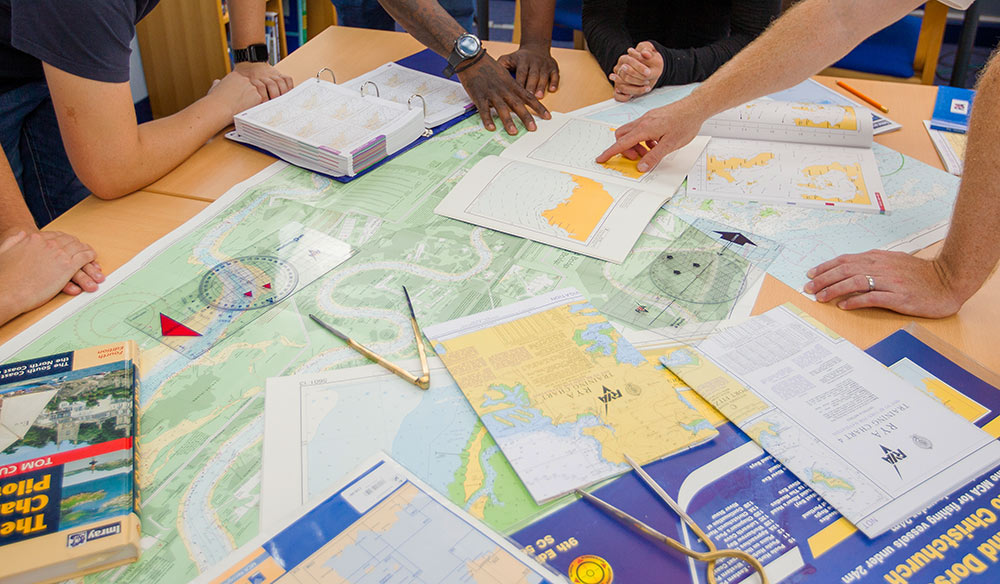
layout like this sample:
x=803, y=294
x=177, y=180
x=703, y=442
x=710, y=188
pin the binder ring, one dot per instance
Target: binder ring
x=366, y=84
x=409, y=102
x=332, y=74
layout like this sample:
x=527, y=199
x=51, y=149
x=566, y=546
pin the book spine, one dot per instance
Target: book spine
x=136, y=458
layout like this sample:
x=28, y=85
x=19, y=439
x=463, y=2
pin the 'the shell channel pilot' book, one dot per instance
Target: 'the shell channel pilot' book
x=68, y=494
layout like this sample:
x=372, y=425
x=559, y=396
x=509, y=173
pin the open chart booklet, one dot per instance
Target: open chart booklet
x=547, y=187
x=805, y=154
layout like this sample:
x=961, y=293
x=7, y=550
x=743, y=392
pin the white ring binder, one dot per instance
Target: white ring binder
x=332, y=74
x=366, y=84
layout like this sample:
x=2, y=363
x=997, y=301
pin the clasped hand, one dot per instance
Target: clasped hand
x=637, y=71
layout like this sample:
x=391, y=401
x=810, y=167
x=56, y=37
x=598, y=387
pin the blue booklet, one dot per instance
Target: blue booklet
x=952, y=109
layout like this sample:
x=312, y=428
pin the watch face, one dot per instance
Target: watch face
x=468, y=45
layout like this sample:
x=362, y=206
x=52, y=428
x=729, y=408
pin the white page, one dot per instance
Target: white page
x=812, y=91
x=803, y=123
x=595, y=218
x=446, y=99
x=785, y=173
x=571, y=144
x=876, y=448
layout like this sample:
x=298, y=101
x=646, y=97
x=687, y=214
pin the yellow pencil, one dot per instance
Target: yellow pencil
x=871, y=101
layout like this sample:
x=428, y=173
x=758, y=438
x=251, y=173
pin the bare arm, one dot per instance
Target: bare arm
x=488, y=84
x=246, y=23
x=532, y=62
x=112, y=154
x=34, y=266
x=938, y=287
x=806, y=39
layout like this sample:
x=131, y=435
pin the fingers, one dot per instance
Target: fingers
x=522, y=112
x=877, y=299
x=485, y=114
x=260, y=87
x=71, y=289
x=650, y=159
x=631, y=70
x=534, y=84
x=503, y=112
x=507, y=61
x=84, y=281
x=285, y=83
x=273, y=90
x=626, y=139
x=521, y=74
x=554, y=79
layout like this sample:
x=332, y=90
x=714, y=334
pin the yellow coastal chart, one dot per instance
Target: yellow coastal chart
x=559, y=204
x=566, y=379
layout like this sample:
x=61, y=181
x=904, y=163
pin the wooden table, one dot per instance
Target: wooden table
x=120, y=229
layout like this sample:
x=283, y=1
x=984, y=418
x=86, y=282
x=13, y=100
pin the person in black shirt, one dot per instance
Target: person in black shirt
x=642, y=44
x=68, y=125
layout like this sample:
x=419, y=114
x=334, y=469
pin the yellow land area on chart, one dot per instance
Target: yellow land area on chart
x=819, y=180
x=582, y=211
x=849, y=122
x=560, y=368
x=723, y=167
x=623, y=166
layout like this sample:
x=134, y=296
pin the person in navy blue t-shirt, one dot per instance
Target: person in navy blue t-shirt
x=68, y=125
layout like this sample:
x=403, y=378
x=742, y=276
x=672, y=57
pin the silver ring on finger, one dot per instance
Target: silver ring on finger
x=871, y=283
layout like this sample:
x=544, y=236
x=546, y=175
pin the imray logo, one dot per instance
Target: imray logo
x=959, y=106
x=893, y=457
x=79, y=538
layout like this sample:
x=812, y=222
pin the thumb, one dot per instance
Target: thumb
x=654, y=156
x=507, y=62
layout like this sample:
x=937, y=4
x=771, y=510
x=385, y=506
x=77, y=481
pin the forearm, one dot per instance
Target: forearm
x=427, y=21
x=246, y=22
x=536, y=22
x=14, y=213
x=972, y=249
x=808, y=38
x=135, y=158
x=605, y=31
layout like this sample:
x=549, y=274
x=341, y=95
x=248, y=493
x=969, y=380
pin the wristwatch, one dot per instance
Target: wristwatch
x=467, y=47
x=254, y=53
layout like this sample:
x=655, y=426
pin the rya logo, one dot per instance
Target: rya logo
x=893, y=457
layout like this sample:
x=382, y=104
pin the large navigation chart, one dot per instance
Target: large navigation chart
x=202, y=418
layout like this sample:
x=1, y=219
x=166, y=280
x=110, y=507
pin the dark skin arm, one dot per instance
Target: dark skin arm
x=489, y=85
x=532, y=63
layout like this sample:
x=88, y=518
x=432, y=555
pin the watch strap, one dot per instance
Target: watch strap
x=256, y=53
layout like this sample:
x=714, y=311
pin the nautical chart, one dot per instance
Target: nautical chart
x=195, y=316
x=693, y=282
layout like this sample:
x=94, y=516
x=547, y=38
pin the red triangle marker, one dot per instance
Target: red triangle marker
x=171, y=328
x=248, y=294
x=268, y=285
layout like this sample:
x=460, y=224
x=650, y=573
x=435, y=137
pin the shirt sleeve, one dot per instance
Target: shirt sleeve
x=749, y=18
x=957, y=4
x=88, y=38
x=605, y=31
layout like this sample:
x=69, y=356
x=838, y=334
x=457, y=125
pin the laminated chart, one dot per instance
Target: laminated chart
x=693, y=282
x=195, y=316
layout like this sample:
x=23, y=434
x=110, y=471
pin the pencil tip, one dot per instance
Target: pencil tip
x=409, y=302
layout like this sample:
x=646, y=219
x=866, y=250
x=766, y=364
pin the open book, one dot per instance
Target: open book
x=791, y=153
x=546, y=187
